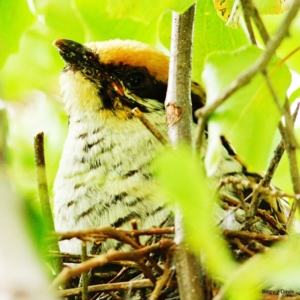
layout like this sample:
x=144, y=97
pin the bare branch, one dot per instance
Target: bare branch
x=253, y=235
x=100, y=260
x=179, y=120
x=149, y=125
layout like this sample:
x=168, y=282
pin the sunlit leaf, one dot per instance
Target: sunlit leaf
x=182, y=178
x=101, y=26
x=144, y=11
x=61, y=17
x=36, y=66
x=249, y=117
x=15, y=18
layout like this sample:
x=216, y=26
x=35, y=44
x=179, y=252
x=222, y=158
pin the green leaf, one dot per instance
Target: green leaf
x=210, y=34
x=183, y=180
x=99, y=25
x=144, y=11
x=295, y=95
x=289, y=48
x=15, y=18
x=249, y=117
x=63, y=19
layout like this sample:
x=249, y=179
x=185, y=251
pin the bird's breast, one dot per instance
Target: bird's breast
x=105, y=178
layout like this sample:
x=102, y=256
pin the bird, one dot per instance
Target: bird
x=105, y=175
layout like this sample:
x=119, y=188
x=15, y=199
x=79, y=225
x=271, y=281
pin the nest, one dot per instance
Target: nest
x=148, y=271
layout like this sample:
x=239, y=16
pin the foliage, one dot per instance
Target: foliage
x=29, y=89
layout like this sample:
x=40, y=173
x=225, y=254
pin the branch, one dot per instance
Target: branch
x=250, y=11
x=179, y=120
x=44, y=195
x=100, y=260
x=149, y=125
x=291, y=146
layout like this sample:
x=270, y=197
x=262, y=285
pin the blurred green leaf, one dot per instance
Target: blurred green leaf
x=15, y=18
x=63, y=18
x=294, y=96
x=248, y=118
x=35, y=67
x=289, y=48
x=144, y=11
x=266, y=271
x=183, y=179
x=99, y=25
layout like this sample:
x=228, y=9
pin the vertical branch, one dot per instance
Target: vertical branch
x=43, y=193
x=291, y=147
x=250, y=11
x=179, y=120
x=84, y=276
x=247, y=19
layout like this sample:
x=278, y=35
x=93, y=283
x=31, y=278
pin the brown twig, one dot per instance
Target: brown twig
x=241, y=234
x=242, y=247
x=136, y=112
x=161, y=282
x=256, y=186
x=100, y=260
x=84, y=275
x=277, y=156
x=116, y=286
x=266, y=216
x=134, y=226
x=105, y=232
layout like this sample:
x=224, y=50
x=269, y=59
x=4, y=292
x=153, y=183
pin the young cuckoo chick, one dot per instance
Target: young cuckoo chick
x=104, y=177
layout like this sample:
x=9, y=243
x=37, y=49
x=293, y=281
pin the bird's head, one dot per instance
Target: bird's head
x=116, y=76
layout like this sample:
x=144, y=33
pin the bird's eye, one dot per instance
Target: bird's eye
x=136, y=79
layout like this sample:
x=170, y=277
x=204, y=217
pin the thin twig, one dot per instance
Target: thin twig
x=277, y=156
x=116, y=286
x=247, y=19
x=241, y=234
x=256, y=186
x=242, y=247
x=292, y=158
x=107, y=231
x=84, y=276
x=100, y=260
x=161, y=282
x=149, y=125
x=44, y=195
x=251, y=10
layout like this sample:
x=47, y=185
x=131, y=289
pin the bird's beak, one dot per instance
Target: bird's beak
x=76, y=55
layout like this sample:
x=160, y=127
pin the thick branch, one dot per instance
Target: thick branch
x=179, y=120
